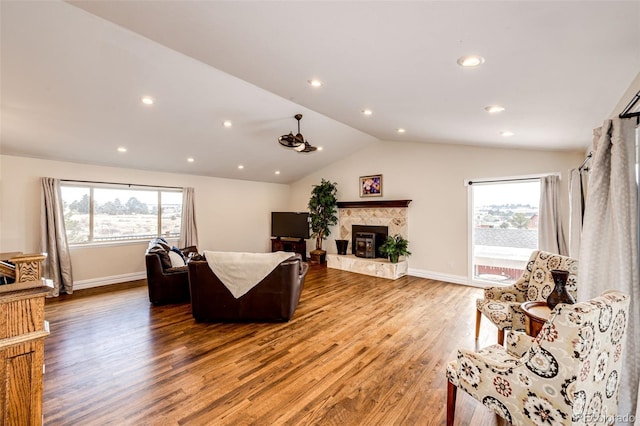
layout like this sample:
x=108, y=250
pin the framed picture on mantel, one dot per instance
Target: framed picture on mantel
x=371, y=186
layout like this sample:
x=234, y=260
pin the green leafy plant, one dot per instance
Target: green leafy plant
x=394, y=247
x=323, y=206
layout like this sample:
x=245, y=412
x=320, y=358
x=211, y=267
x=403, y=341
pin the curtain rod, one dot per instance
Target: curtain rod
x=589, y=155
x=472, y=182
x=626, y=112
x=123, y=184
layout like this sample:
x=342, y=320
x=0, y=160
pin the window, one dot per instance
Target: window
x=504, y=228
x=106, y=213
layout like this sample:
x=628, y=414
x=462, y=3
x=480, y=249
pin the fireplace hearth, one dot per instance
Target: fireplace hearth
x=366, y=240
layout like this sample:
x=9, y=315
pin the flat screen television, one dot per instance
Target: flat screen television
x=290, y=224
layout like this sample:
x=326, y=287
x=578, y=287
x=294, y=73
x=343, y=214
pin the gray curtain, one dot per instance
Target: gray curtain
x=53, y=238
x=609, y=250
x=550, y=232
x=189, y=230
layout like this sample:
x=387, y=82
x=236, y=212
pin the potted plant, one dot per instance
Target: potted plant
x=322, y=212
x=394, y=247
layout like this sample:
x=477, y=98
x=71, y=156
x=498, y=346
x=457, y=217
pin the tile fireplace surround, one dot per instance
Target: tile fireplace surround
x=390, y=213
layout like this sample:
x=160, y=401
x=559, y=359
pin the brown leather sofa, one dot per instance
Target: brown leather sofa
x=275, y=298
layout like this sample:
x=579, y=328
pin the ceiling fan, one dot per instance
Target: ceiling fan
x=296, y=142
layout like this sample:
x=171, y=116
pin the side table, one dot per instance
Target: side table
x=536, y=314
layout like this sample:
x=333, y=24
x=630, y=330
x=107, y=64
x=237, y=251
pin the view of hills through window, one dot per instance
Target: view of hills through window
x=505, y=229
x=120, y=214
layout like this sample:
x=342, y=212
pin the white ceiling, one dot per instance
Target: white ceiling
x=73, y=74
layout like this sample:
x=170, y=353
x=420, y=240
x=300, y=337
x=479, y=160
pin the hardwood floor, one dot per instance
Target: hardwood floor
x=359, y=351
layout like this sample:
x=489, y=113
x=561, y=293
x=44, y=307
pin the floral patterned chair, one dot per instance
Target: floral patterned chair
x=502, y=304
x=569, y=374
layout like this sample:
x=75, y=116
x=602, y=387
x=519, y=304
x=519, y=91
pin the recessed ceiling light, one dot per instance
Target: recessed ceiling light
x=147, y=100
x=470, y=61
x=277, y=172
x=227, y=123
x=240, y=167
x=122, y=149
x=492, y=109
x=507, y=133
x=367, y=112
x=401, y=130
x=320, y=148
x=191, y=159
x=315, y=82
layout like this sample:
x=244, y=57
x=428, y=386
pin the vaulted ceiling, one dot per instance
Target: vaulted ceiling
x=74, y=73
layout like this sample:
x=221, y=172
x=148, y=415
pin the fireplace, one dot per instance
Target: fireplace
x=366, y=240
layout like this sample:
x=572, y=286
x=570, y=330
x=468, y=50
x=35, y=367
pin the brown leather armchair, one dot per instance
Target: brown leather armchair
x=275, y=298
x=167, y=284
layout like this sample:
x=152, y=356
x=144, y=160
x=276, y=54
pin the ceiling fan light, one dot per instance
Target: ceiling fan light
x=296, y=142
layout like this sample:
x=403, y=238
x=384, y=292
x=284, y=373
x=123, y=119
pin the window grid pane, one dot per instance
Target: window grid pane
x=171, y=203
x=104, y=214
x=76, y=202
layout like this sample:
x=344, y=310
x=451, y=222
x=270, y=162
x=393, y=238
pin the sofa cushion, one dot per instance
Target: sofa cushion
x=176, y=259
x=177, y=269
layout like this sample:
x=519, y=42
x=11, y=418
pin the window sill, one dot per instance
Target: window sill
x=72, y=247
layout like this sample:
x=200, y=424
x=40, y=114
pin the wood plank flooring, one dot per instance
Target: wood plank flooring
x=359, y=351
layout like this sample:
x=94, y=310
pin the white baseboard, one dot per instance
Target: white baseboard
x=455, y=279
x=113, y=279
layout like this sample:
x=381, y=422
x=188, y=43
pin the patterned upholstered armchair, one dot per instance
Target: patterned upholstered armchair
x=502, y=304
x=569, y=374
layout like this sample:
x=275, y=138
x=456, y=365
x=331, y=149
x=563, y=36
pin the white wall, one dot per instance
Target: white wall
x=231, y=215
x=432, y=175
x=234, y=215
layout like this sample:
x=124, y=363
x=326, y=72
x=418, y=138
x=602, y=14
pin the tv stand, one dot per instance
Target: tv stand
x=294, y=245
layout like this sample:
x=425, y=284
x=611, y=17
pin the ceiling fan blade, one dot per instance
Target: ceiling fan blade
x=290, y=141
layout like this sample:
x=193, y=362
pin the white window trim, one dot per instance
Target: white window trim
x=470, y=214
x=133, y=241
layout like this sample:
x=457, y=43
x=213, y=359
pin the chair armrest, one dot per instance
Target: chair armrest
x=518, y=343
x=493, y=358
x=304, y=267
x=504, y=294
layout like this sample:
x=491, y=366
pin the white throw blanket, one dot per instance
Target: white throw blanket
x=240, y=272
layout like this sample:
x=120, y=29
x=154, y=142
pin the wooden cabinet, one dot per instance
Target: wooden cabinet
x=293, y=245
x=22, y=267
x=22, y=333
